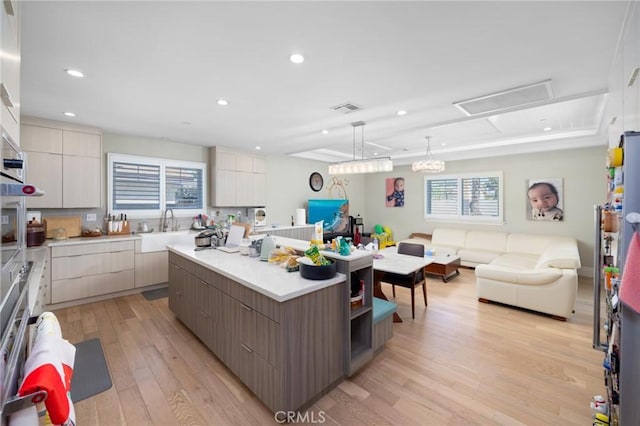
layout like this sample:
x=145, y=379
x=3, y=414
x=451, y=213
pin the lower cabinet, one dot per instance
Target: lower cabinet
x=151, y=268
x=287, y=353
x=85, y=270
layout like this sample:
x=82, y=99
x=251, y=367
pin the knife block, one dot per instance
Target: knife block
x=126, y=229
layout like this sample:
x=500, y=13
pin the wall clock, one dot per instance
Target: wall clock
x=316, y=181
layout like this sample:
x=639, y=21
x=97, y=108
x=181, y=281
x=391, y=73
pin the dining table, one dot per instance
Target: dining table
x=388, y=260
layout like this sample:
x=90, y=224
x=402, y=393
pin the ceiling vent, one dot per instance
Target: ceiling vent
x=346, y=108
x=507, y=99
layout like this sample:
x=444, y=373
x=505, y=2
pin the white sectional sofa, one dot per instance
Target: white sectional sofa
x=530, y=271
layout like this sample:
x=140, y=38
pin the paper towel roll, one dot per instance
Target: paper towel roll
x=301, y=217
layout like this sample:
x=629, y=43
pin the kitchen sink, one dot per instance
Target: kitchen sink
x=158, y=241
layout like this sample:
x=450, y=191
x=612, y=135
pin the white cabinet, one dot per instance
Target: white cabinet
x=91, y=269
x=237, y=179
x=10, y=68
x=65, y=162
x=44, y=170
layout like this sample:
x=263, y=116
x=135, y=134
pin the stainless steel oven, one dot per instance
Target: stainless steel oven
x=12, y=214
x=13, y=221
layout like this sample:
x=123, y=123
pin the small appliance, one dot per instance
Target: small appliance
x=260, y=216
x=268, y=244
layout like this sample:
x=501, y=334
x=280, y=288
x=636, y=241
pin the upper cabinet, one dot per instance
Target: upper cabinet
x=236, y=179
x=10, y=68
x=66, y=162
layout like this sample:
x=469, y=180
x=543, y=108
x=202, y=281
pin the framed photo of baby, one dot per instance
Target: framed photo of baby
x=394, y=192
x=544, y=199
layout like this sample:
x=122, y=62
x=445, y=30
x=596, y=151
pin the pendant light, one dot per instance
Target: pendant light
x=429, y=165
x=364, y=165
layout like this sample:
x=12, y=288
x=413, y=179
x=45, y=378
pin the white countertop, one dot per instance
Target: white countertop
x=301, y=245
x=266, y=278
x=89, y=240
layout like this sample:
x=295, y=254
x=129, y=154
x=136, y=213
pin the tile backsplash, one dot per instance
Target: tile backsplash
x=217, y=214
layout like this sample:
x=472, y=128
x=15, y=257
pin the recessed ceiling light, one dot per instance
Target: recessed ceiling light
x=443, y=144
x=258, y=148
x=222, y=102
x=546, y=129
x=325, y=131
x=74, y=73
x=69, y=114
x=296, y=58
x=401, y=112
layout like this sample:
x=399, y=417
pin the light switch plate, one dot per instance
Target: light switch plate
x=5, y=219
x=91, y=217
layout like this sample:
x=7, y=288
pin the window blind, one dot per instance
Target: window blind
x=135, y=186
x=183, y=188
x=464, y=197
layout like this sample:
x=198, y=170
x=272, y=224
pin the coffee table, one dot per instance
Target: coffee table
x=445, y=267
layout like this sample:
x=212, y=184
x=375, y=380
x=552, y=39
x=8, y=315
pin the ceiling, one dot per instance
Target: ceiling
x=156, y=69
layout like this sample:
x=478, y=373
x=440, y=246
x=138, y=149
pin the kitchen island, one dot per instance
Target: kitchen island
x=289, y=339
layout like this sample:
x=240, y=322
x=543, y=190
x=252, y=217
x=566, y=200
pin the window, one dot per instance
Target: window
x=466, y=197
x=145, y=186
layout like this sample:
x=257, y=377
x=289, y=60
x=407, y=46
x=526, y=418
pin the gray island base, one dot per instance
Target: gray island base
x=288, y=339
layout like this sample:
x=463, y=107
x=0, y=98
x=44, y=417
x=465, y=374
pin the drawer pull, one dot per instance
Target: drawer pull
x=246, y=307
x=6, y=96
x=204, y=282
x=246, y=348
x=178, y=293
x=204, y=314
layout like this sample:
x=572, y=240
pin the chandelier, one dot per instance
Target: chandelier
x=364, y=165
x=429, y=165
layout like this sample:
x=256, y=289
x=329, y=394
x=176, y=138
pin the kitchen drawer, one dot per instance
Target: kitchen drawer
x=93, y=285
x=88, y=248
x=187, y=265
x=91, y=264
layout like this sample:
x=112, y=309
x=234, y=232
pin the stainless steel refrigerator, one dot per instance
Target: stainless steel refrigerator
x=622, y=323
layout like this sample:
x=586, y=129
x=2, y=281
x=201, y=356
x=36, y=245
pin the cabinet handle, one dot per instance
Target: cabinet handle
x=6, y=96
x=204, y=282
x=246, y=348
x=8, y=6
x=204, y=314
x=178, y=293
x=248, y=308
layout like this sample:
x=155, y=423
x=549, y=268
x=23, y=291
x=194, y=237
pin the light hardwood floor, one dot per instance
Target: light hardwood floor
x=460, y=362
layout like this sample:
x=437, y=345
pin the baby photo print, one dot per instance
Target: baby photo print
x=544, y=199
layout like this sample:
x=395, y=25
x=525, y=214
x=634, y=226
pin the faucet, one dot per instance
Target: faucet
x=164, y=225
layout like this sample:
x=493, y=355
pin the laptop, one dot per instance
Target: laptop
x=234, y=238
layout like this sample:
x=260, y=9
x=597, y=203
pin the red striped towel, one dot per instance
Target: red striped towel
x=630, y=285
x=49, y=367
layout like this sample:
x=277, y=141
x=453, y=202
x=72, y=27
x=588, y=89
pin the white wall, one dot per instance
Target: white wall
x=288, y=188
x=584, y=185
x=287, y=177
x=150, y=147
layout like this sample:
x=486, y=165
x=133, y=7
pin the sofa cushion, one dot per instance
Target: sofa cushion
x=516, y=261
x=513, y=275
x=528, y=243
x=446, y=237
x=475, y=257
x=483, y=240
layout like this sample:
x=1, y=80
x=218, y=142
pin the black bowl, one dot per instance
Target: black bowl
x=312, y=272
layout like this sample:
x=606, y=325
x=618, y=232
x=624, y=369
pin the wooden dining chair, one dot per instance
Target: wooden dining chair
x=411, y=281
